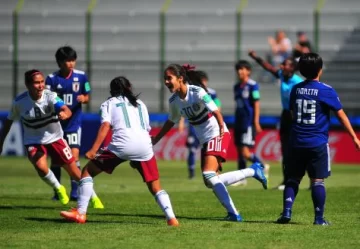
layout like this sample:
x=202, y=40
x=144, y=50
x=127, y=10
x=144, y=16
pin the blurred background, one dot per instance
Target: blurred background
x=137, y=38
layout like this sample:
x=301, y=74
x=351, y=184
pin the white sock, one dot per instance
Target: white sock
x=51, y=180
x=86, y=189
x=220, y=191
x=163, y=200
x=236, y=176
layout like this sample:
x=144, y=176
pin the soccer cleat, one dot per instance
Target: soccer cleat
x=96, y=203
x=321, y=222
x=173, y=222
x=63, y=197
x=259, y=174
x=285, y=216
x=73, y=215
x=233, y=217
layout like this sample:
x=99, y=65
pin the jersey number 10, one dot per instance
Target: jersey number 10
x=306, y=108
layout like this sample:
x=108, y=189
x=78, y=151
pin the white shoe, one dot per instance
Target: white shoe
x=281, y=187
x=239, y=183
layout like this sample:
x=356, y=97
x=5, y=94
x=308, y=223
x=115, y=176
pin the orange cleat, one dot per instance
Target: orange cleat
x=173, y=222
x=73, y=215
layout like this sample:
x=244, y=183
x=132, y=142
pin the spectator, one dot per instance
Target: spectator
x=302, y=46
x=280, y=47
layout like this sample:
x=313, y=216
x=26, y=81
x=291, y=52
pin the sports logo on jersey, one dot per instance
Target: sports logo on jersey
x=245, y=92
x=76, y=86
x=59, y=86
x=76, y=79
x=196, y=107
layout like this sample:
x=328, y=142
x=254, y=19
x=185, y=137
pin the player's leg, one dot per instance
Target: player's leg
x=319, y=169
x=105, y=161
x=74, y=140
x=192, y=144
x=37, y=155
x=150, y=174
x=295, y=170
x=212, y=155
x=284, y=133
x=248, y=141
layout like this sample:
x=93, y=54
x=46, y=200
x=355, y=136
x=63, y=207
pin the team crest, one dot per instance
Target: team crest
x=76, y=86
x=196, y=107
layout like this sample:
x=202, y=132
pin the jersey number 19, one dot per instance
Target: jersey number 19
x=306, y=108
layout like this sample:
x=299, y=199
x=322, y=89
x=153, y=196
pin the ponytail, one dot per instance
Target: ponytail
x=121, y=86
x=194, y=77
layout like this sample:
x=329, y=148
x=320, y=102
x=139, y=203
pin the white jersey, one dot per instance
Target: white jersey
x=130, y=127
x=39, y=118
x=197, y=108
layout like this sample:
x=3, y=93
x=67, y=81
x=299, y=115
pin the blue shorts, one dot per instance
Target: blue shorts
x=246, y=138
x=192, y=141
x=314, y=161
x=73, y=138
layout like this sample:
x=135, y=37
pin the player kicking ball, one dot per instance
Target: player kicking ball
x=310, y=103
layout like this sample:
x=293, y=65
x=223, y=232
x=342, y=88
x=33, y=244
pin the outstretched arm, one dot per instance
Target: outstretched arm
x=264, y=64
x=346, y=123
x=102, y=133
x=165, y=129
x=220, y=120
x=4, y=133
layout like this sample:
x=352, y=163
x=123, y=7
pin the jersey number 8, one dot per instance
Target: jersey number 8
x=308, y=108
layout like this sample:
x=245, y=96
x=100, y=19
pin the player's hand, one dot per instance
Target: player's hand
x=81, y=98
x=62, y=115
x=357, y=143
x=258, y=128
x=221, y=132
x=90, y=154
x=252, y=53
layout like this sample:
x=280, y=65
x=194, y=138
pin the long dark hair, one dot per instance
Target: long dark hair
x=121, y=86
x=29, y=75
x=189, y=74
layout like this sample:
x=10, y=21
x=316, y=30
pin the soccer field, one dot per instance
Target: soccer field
x=131, y=218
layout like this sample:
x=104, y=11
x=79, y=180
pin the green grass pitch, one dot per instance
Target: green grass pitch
x=131, y=218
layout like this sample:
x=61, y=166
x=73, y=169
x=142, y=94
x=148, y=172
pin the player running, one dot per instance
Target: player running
x=39, y=111
x=190, y=99
x=128, y=118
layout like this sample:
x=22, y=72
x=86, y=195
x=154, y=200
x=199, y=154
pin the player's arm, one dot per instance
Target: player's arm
x=211, y=106
x=84, y=97
x=255, y=94
x=264, y=64
x=181, y=125
x=346, y=123
x=165, y=129
x=61, y=109
x=102, y=133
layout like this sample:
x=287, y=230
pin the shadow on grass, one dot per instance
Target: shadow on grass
x=270, y=222
x=60, y=220
x=8, y=207
x=156, y=216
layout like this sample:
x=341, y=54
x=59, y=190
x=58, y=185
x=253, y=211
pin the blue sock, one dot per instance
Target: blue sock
x=56, y=169
x=74, y=183
x=290, y=192
x=253, y=158
x=191, y=162
x=318, y=194
x=241, y=163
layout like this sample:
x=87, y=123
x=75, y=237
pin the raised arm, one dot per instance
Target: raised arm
x=264, y=64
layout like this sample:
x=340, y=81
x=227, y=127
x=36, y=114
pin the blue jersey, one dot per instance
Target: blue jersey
x=286, y=86
x=68, y=89
x=245, y=96
x=310, y=103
